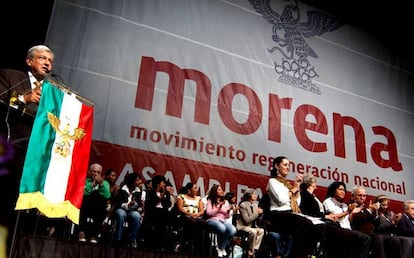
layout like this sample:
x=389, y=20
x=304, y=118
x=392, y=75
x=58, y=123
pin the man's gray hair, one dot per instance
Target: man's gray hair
x=31, y=52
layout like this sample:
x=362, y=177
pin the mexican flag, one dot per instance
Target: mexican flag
x=57, y=158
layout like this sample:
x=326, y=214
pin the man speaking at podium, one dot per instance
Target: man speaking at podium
x=20, y=93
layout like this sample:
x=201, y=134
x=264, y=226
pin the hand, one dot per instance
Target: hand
x=115, y=188
x=396, y=218
x=98, y=178
x=353, y=207
x=132, y=203
x=298, y=181
x=33, y=96
x=373, y=206
x=332, y=217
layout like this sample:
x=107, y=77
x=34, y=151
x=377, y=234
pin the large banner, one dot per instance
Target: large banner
x=211, y=91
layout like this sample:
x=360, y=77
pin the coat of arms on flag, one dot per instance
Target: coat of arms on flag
x=57, y=158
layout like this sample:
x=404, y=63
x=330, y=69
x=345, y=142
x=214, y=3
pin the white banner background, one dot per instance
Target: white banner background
x=100, y=45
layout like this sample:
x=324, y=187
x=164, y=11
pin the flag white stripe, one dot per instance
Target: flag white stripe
x=59, y=166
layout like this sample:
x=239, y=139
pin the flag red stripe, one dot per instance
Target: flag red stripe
x=80, y=159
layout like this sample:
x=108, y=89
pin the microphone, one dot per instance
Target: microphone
x=51, y=75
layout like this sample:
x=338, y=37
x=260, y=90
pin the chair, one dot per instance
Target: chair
x=242, y=240
x=212, y=239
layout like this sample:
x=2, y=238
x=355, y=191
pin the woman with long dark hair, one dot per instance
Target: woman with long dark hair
x=218, y=211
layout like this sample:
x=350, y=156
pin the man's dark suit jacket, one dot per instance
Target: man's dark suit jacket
x=19, y=121
x=18, y=81
x=405, y=227
x=309, y=206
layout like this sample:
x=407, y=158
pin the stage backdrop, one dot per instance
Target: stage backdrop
x=210, y=91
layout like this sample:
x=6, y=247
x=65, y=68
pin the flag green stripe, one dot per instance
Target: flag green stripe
x=41, y=141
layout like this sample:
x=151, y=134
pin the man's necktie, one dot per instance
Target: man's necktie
x=37, y=84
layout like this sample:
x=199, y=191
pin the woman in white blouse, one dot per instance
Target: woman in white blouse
x=284, y=214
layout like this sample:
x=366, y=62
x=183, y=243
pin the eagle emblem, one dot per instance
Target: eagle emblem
x=289, y=34
x=63, y=142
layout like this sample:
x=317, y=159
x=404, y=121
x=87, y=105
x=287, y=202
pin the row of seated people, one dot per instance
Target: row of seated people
x=343, y=230
x=106, y=203
x=154, y=214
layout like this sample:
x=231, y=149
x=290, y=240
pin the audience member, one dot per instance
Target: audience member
x=131, y=199
x=191, y=211
x=111, y=204
x=93, y=209
x=218, y=211
x=280, y=245
x=249, y=214
x=148, y=185
x=111, y=177
x=157, y=217
x=169, y=188
x=335, y=240
x=334, y=204
x=386, y=221
x=405, y=226
x=284, y=209
x=230, y=197
x=310, y=204
x=363, y=219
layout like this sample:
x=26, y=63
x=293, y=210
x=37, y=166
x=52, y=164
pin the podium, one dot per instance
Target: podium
x=52, y=180
x=15, y=125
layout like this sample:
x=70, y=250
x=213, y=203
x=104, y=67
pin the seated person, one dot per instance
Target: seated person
x=359, y=243
x=386, y=221
x=249, y=214
x=107, y=233
x=112, y=202
x=217, y=213
x=279, y=245
x=157, y=216
x=129, y=209
x=405, y=226
x=234, y=208
x=191, y=211
x=93, y=209
x=170, y=188
x=336, y=241
x=284, y=216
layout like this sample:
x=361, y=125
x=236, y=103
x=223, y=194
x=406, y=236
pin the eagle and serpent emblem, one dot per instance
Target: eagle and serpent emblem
x=62, y=144
x=289, y=34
